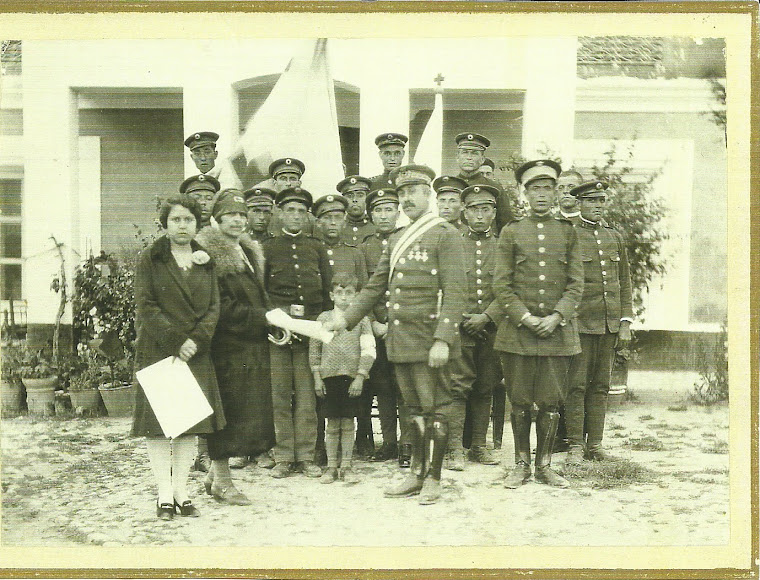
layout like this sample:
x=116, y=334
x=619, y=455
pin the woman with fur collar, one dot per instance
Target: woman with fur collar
x=239, y=348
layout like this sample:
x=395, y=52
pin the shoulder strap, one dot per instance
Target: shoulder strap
x=412, y=233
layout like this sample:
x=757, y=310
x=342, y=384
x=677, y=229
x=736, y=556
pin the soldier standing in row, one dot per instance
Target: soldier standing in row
x=477, y=371
x=488, y=168
x=424, y=272
x=448, y=190
x=604, y=318
x=539, y=281
x=383, y=210
x=260, y=204
x=297, y=277
x=286, y=173
x=567, y=204
x=471, y=154
x=391, y=150
x=203, y=189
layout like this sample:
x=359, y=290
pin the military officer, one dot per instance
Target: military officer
x=477, y=371
x=260, y=204
x=297, y=277
x=384, y=211
x=567, y=204
x=283, y=174
x=471, y=154
x=488, y=168
x=354, y=189
x=604, y=318
x=538, y=280
x=391, y=150
x=330, y=214
x=202, y=146
x=424, y=271
x=203, y=188
x=448, y=190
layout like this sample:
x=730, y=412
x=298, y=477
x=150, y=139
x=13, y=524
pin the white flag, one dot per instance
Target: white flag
x=299, y=120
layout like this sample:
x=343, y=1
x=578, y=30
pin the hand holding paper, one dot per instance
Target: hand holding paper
x=310, y=328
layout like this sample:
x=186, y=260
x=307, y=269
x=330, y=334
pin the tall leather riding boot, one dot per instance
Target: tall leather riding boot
x=468, y=425
x=456, y=415
x=521, y=422
x=560, y=439
x=479, y=410
x=498, y=414
x=412, y=484
x=436, y=443
x=546, y=430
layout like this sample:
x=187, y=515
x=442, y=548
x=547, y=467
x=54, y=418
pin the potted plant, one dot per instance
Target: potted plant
x=85, y=378
x=11, y=389
x=118, y=394
x=40, y=380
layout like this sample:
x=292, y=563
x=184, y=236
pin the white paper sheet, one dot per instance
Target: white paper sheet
x=174, y=395
x=310, y=328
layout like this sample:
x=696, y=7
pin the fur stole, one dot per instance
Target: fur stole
x=226, y=257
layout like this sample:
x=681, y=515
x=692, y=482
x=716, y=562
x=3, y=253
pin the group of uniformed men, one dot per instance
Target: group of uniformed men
x=467, y=304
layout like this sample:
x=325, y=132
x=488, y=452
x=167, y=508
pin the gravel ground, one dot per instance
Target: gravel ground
x=74, y=482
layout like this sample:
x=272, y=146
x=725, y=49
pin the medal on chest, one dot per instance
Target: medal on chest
x=417, y=253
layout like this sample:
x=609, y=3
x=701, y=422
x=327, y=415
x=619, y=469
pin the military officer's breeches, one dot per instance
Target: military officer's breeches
x=588, y=387
x=293, y=403
x=425, y=390
x=535, y=379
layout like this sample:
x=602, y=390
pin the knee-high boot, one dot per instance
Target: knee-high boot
x=520, y=473
x=436, y=441
x=546, y=430
x=412, y=484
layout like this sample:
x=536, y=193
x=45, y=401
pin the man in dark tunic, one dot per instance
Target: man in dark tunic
x=448, y=190
x=424, y=273
x=354, y=189
x=538, y=280
x=567, y=205
x=391, y=151
x=604, y=318
x=260, y=204
x=297, y=277
x=203, y=189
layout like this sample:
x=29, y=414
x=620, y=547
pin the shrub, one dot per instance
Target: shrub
x=712, y=385
x=12, y=353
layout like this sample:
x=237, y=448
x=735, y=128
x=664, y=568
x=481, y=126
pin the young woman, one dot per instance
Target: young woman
x=177, y=308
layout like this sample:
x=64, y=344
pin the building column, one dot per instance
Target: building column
x=549, y=111
x=382, y=109
x=51, y=173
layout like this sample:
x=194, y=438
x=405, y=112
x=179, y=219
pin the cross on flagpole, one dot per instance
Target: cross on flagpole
x=439, y=79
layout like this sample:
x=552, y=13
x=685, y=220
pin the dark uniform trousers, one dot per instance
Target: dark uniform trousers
x=383, y=385
x=605, y=301
x=535, y=379
x=426, y=390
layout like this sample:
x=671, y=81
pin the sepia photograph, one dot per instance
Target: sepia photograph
x=377, y=291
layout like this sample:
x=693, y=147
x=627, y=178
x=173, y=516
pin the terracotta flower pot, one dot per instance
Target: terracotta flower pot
x=12, y=396
x=85, y=402
x=40, y=395
x=119, y=399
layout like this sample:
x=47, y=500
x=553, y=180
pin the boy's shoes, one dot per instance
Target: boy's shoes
x=329, y=476
x=281, y=470
x=481, y=454
x=348, y=475
x=309, y=469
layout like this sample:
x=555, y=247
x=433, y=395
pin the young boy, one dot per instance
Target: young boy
x=340, y=369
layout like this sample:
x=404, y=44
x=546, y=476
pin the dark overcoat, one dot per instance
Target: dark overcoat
x=240, y=348
x=170, y=308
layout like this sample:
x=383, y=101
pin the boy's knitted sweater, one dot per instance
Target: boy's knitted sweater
x=349, y=353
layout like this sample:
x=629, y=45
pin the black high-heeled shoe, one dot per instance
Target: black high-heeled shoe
x=165, y=511
x=187, y=509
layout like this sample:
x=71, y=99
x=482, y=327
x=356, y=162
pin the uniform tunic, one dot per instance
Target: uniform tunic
x=538, y=271
x=606, y=299
x=172, y=306
x=355, y=232
x=382, y=180
x=432, y=266
x=347, y=259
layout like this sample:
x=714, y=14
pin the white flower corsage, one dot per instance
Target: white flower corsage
x=200, y=257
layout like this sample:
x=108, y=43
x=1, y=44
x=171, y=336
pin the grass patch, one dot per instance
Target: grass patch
x=668, y=426
x=613, y=426
x=646, y=443
x=717, y=447
x=610, y=474
x=645, y=417
x=678, y=408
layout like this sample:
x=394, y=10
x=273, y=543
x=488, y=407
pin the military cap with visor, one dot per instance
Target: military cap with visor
x=448, y=183
x=259, y=196
x=479, y=194
x=199, y=182
x=412, y=174
x=294, y=194
x=286, y=165
x=381, y=196
x=353, y=183
x=590, y=189
x=537, y=169
x=329, y=203
x=391, y=139
x=200, y=139
x=472, y=141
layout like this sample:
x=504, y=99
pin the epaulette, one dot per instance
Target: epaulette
x=368, y=236
x=564, y=220
x=515, y=219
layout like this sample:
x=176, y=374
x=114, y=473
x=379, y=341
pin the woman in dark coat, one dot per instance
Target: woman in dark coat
x=240, y=348
x=177, y=308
